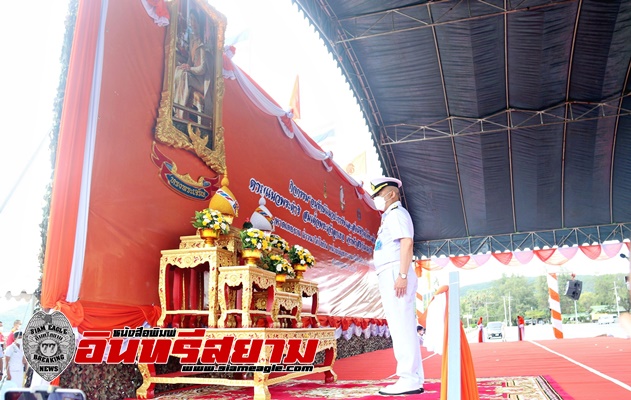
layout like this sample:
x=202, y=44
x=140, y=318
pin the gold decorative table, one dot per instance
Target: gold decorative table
x=199, y=282
x=181, y=285
x=305, y=289
x=286, y=308
x=249, y=280
x=258, y=380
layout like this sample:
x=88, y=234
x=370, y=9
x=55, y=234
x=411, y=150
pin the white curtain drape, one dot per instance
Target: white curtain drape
x=78, y=256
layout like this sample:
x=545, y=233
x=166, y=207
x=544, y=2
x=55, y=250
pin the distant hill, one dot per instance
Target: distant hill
x=588, y=284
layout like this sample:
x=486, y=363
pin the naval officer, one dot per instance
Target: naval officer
x=397, y=285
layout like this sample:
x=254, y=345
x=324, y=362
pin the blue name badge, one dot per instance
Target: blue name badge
x=378, y=245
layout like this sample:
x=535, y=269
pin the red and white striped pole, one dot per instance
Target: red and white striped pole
x=555, y=305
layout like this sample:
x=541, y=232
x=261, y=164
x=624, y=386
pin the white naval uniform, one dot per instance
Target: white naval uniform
x=400, y=311
x=16, y=364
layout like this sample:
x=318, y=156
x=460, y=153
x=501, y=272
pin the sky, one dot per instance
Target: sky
x=273, y=44
x=28, y=81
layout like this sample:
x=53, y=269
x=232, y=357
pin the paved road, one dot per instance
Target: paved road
x=545, y=332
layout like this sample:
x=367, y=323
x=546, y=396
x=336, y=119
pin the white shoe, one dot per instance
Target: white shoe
x=400, y=388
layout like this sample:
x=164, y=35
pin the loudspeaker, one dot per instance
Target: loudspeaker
x=573, y=289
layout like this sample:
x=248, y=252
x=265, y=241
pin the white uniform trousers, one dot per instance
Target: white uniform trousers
x=401, y=317
x=17, y=376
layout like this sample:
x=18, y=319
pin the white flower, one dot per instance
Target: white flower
x=279, y=268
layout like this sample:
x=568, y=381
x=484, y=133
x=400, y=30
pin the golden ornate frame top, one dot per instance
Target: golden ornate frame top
x=190, y=110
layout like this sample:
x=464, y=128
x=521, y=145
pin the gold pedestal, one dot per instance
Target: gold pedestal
x=248, y=280
x=259, y=381
x=300, y=269
x=286, y=310
x=251, y=256
x=280, y=279
x=190, y=265
x=209, y=236
x=305, y=289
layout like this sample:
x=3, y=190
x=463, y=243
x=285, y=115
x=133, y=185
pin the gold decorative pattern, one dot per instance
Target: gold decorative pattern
x=193, y=140
x=191, y=258
x=141, y=392
x=292, y=303
x=259, y=381
x=272, y=303
x=191, y=242
x=305, y=289
x=249, y=278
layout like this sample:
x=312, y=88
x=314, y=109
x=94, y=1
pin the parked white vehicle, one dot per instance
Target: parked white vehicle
x=607, y=319
x=496, y=330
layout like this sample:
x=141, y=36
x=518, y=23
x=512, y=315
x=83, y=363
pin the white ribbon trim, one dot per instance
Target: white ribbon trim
x=151, y=10
x=269, y=107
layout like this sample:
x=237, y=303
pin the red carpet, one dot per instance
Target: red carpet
x=599, y=368
x=580, y=369
x=531, y=388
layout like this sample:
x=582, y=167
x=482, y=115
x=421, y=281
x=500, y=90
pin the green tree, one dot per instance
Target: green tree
x=585, y=303
x=541, y=295
x=515, y=292
x=606, y=294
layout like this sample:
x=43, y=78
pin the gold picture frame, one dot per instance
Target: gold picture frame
x=189, y=116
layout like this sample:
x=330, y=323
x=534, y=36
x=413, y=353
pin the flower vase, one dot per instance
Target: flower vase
x=251, y=256
x=300, y=269
x=209, y=236
x=280, y=279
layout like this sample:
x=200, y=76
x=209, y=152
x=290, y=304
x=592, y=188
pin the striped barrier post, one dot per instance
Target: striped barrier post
x=555, y=305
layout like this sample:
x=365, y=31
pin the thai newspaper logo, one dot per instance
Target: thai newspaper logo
x=49, y=344
x=197, y=352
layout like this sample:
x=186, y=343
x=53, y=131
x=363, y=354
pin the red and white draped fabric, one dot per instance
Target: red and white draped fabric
x=157, y=10
x=108, y=224
x=286, y=122
x=71, y=195
x=347, y=327
x=549, y=256
x=70, y=213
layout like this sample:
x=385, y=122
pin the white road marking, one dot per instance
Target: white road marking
x=592, y=370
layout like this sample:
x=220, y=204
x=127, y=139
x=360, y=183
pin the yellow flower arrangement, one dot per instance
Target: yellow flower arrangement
x=300, y=255
x=277, y=242
x=253, y=238
x=211, y=219
x=278, y=264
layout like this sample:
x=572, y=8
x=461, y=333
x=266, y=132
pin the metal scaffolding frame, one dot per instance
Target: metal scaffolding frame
x=342, y=32
x=565, y=113
x=524, y=240
x=405, y=19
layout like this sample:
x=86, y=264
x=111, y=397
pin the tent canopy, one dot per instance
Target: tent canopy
x=508, y=121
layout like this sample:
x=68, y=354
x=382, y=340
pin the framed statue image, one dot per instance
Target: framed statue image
x=189, y=116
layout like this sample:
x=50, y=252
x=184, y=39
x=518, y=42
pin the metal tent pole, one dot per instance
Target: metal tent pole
x=453, y=338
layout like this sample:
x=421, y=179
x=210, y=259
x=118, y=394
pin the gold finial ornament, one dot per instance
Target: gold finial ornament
x=224, y=201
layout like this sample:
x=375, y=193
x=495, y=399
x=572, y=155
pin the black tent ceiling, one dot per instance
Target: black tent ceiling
x=508, y=121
